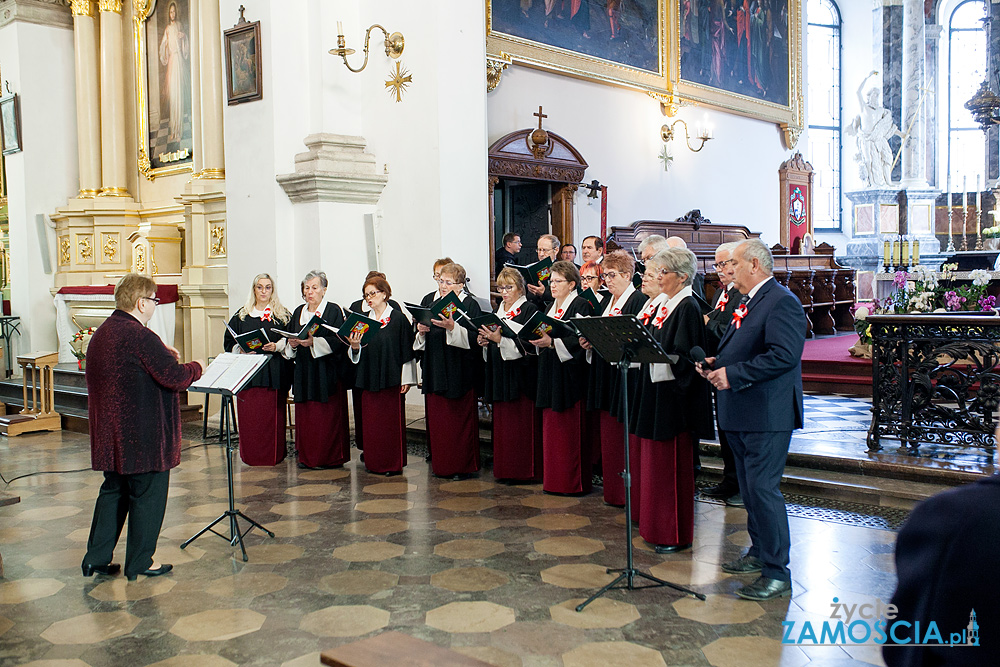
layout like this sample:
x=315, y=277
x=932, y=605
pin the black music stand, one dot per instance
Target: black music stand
x=226, y=376
x=622, y=340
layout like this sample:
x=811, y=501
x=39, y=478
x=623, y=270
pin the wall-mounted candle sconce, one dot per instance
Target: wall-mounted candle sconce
x=704, y=134
x=393, y=45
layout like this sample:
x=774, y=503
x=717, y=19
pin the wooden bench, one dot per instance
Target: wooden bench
x=398, y=650
x=825, y=289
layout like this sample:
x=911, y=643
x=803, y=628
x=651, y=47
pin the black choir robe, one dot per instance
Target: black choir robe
x=719, y=318
x=561, y=384
x=603, y=380
x=277, y=374
x=663, y=410
x=315, y=379
x=381, y=363
x=447, y=370
x=509, y=380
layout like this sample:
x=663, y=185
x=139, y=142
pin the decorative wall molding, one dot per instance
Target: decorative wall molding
x=42, y=12
x=334, y=169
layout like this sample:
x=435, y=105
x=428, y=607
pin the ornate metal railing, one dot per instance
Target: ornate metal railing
x=934, y=380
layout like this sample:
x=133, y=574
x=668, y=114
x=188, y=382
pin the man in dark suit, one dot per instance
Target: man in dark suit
x=133, y=380
x=943, y=553
x=507, y=253
x=758, y=375
x=724, y=304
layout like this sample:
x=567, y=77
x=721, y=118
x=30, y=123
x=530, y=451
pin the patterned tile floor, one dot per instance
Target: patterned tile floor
x=489, y=570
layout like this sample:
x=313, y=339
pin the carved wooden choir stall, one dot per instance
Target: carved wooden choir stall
x=38, y=413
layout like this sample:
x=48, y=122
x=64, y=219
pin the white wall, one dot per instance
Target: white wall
x=38, y=62
x=733, y=180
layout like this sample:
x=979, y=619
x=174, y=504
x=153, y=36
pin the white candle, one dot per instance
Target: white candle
x=965, y=204
x=340, y=27
x=979, y=203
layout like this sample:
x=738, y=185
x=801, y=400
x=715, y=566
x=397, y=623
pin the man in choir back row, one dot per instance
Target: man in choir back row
x=507, y=253
x=548, y=246
x=592, y=250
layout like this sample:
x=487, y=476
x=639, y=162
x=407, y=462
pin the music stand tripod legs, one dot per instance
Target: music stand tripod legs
x=629, y=573
x=235, y=534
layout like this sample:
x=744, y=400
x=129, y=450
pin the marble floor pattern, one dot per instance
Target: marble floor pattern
x=492, y=571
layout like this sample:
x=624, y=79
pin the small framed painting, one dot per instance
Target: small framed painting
x=10, y=124
x=243, y=62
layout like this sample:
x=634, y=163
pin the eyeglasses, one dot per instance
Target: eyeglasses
x=611, y=275
x=505, y=288
x=557, y=281
x=437, y=277
x=721, y=265
x=371, y=295
x=589, y=279
x=153, y=299
x=448, y=283
x=656, y=273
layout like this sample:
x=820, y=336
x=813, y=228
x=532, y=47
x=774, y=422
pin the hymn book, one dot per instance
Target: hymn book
x=590, y=295
x=357, y=323
x=493, y=323
x=309, y=329
x=541, y=324
x=249, y=342
x=229, y=373
x=537, y=273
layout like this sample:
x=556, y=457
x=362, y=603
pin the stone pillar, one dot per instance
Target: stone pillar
x=113, y=174
x=88, y=98
x=935, y=157
x=210, y=66
x=914, y=49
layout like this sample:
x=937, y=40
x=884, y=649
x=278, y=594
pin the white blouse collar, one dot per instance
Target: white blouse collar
x=501, y=311
x=555, y=307
x=621, y=300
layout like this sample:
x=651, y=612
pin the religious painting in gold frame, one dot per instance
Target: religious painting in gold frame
x=163, y=86
x=617, y=42
x=743, y=56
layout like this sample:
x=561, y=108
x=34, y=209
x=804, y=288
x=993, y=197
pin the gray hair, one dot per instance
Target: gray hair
x=654, y=242
x=676, y=242
x=554, y=242
x=729, y=247
x=323, y=282
x=678, y=260
x=756, y=249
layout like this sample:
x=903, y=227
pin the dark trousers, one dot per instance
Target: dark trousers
x=760, y=460
x=143, y=499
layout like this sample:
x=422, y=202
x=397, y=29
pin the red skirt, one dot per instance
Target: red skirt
x=566, y=453
x=359, y=439
x=613, y=458
x=383, y=429
x=260, y=413
x=452, y=434
x=667, y=489
x=517, y=440
x=321, y=432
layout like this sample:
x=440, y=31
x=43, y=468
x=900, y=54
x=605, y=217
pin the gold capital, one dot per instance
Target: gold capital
x=110, y=6
x=82, y=7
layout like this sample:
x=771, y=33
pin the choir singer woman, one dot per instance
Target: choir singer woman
x=385, y=372
x=321, y=430
x=603, y=390
x=260, y=407
x=511, y=378
x=452, y=370
x=562, y=386
x=673, y=407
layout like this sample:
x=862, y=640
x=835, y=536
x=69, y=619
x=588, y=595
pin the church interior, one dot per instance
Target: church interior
x=203, y=142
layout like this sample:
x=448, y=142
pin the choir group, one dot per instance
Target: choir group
x=556, y=403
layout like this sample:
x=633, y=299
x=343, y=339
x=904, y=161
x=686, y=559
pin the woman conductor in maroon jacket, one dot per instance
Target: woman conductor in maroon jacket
x=133, y=381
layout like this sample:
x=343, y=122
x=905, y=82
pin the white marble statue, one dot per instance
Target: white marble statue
x=872, y=128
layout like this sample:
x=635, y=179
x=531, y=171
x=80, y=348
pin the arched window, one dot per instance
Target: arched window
x=823, y=114
x=967, y=56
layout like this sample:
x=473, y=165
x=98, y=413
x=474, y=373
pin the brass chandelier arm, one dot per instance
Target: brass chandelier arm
x=394, y=44
x=667, y=134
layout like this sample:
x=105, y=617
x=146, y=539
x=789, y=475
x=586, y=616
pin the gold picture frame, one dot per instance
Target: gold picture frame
x=143, y=10
x=788, y=112
x=512, y=35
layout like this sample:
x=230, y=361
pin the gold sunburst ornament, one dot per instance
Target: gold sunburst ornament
x=398, y=81
x=667, y=157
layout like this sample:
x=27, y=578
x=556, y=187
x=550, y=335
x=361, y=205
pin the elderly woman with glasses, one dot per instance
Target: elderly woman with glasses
x=673, y=407
x=452, y=377
x=320, y=380
x=562, y=388
x=385, y=372
x=511, y=377
x=361, y=306
x=603, y=386
x=260, y=408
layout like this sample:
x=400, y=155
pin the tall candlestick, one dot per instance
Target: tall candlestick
x=965, y=212
x=979, y=204
x=905, y=253
x=916, y=252
x=896, y=247
x=951, y=244
x=886, y=254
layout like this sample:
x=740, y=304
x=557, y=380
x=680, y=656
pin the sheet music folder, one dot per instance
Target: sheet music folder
x=611, y=336
x=229, y=373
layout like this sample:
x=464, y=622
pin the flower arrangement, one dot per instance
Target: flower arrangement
x=79, y=342
x=924, y=290
x=991, y=232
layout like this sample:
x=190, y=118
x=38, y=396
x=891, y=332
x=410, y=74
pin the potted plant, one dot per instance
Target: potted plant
x=991, y=238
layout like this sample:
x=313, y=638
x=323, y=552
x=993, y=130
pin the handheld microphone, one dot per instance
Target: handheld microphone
x=698, y=356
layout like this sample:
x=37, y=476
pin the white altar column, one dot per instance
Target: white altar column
x=210, y=66
x=914, y=98
x=88, y=97
x=113, y=174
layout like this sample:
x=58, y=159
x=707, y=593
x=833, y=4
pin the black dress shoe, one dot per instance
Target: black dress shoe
x=765, y=588
x=670, y=548
x=393, y=473
x=152, y=572
x=110, y=570
x=721, y=491
x=744, y=565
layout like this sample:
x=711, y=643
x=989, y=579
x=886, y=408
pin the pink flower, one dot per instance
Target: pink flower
x=900, y=279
